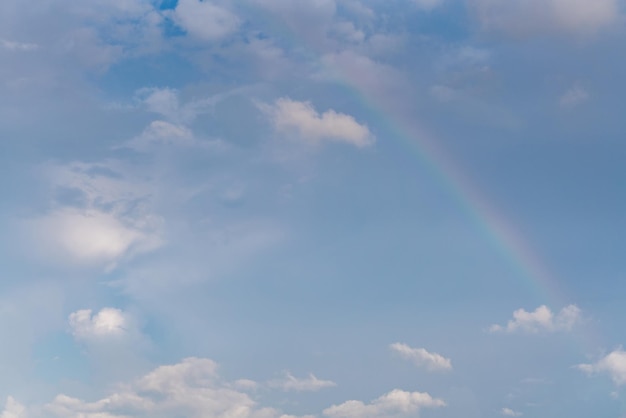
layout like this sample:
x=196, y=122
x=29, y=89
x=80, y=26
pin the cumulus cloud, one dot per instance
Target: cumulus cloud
x=574, y=96
x=541, y=319
x=205, y=20
x=396, y=403
x=301, y=117
x=531, y=17
x=107, y=323
x=508, y=412
x=422, y=358
x=307, y=384
x=191, y=388
x=13, y=409
x=613, y=364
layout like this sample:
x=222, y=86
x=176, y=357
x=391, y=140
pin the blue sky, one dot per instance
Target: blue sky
x=325, y=208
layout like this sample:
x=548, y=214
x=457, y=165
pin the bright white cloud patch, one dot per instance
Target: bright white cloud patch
x=104, y=220
x=422, y=358
x=396, y=403
x=541, y=319
x=529, y=17
x=109, y=322
x=88, y=236
x=307, y=384
x=508, y=412
x=191, y=388
x=205, y=20
x=13, y=409
x=301, y=117
x=614, y=364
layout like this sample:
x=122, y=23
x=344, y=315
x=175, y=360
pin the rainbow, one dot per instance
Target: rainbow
x=491, y=224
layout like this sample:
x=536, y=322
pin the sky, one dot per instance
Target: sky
x=322, y=208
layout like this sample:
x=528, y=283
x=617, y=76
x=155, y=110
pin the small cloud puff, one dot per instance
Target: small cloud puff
x=205, y=20
x=541, y=319
x=395, y=403
x=290, y=115
x=107, y=323
x=308, y=384
x=613, y=364
x=422, y=358
x=508, y=412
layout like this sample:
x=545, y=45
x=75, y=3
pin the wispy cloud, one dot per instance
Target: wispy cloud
x=17, y=46
x=422, y=358
x=307, y=384
x=613, y=364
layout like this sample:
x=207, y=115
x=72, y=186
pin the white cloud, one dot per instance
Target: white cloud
x=574, y=96
x=532, y=17
x=541, y=319
x=13, y=409
x=191, y=388
x=289, y=115
x=160, y=132
x=422, y=358
x=508, y=412
x=17, y=46
x=396, y=403
x=89, y=237
x=307, y=384
x=108, y=323
x=167, y=103
x=205, y=20
x=613, y=364
x=107, y=219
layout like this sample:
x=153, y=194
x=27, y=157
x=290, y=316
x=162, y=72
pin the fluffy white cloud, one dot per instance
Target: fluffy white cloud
x=508, y=412
x=531, y=17
x=13, y=409
x=396, y=403
x=109, y=322
x=541, y=319
x=205, y=20
x=289, y=115
x=307, y=384
x=422, y=358
x=87, y=237
x=613, y=364
x=191, y=388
